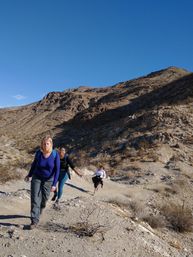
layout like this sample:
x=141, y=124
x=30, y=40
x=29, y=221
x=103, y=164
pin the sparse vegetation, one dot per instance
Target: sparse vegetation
x=179, y=217
x=155, y=221
x=82, y=229
x=81, y=159
x=141, y=131
x=164, y=190
x=136, y=208
x=119, y=202
x=86, y=227
x=8, y=173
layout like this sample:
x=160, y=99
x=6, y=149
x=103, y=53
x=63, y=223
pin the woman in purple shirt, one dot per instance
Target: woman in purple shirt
x=44, y=172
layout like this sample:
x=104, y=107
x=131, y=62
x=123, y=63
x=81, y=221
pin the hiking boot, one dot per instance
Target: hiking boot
x=33, y=225
x=57, y=205
x=54, y=197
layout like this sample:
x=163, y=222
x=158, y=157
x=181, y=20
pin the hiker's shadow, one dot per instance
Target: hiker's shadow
x=14, y=216
x=78, y=188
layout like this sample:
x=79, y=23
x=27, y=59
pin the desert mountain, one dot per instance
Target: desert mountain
x=141, y=130
x=132, y=118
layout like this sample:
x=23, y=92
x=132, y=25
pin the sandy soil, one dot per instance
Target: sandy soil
x=113, y=230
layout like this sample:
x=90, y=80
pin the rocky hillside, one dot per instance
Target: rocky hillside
x=141, y=130
x=131, y=120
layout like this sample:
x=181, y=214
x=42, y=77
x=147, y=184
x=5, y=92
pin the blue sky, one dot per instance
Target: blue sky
x=49, y=45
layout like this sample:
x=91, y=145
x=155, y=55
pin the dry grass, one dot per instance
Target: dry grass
x=155, y=221
x=7, y=174
x=81, y=159
x=80, y=229
x=176, y=244
x=84, y=229
x=112, y=172
x=139, y=211
x=170, y=190
x=165, y=190
x=136, y=208
x=174, y=216
x=119, y=202
x=179, y=217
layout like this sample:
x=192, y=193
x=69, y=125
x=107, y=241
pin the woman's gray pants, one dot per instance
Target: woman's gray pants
x=40, y=192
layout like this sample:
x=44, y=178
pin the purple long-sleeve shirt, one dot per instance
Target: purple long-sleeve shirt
x=46, y=168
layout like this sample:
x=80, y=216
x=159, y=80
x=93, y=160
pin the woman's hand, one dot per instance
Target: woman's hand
x=53, y=189
x=78, y=172
x=26, y=179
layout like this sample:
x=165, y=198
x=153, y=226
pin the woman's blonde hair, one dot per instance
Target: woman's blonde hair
x=47, y=138
x=100, y=165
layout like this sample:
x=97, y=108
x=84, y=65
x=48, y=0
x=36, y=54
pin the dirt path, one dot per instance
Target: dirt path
x=85, y=224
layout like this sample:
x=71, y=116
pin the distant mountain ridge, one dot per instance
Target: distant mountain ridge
x=124, y=118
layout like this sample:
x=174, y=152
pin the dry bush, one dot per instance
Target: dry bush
x=118, y=202
x=82, y=229
x=164, y=190
x=112, y=172
x=156, y=190
x=179, y=217
x=130, y=152
x=7, y=174
x=180, y=182
x=176, y=244
x=125, y=175
x=142, y=213
x=144, y=144
x=153, y=155
x=117, y=159
x=155, y=221
x=104, y=157
x=81, y=160
x=86, y=227
x=171, y=190
x=128, y=171
x=187, y=175
x=136, y=208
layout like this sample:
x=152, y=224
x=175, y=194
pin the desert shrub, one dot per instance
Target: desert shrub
x=144, y=144
x=136, y=208
x=81, y=159
x=87, y=227
x=181, y=182
x=171, y=190
x=112, y=172
x=118, y=202
x=164, y=190
x=155, y=221
x=156, y=190
x=179, y=217
x=82, y=229
x=7, y=174
x=104, y=157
